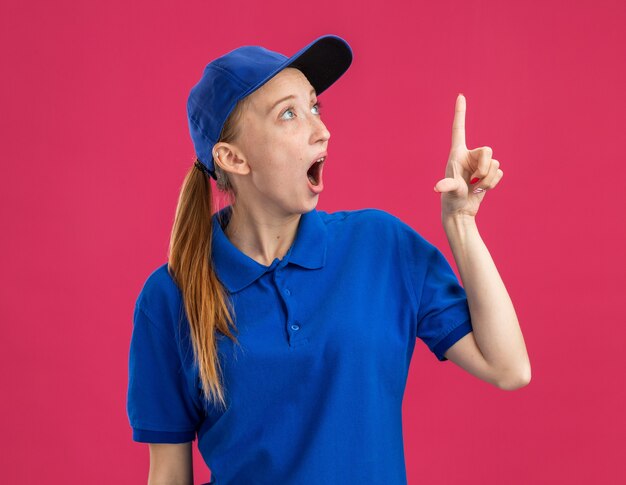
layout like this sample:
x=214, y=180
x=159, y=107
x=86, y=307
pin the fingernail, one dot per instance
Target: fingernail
x=474, y=180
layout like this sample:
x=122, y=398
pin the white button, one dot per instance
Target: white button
x=295, y=327
x=287, y=292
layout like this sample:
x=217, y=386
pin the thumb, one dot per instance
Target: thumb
x=446, y=185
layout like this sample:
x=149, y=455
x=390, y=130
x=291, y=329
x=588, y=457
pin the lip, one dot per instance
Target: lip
x=317, y=157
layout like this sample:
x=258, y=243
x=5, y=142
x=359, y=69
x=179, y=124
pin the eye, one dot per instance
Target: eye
x=288, y=110
x=318, y=106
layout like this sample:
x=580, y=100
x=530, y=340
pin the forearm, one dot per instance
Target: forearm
x=495, y=325
x=170, y=464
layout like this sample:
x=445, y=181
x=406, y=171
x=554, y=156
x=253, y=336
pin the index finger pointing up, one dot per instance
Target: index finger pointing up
x=458, y=125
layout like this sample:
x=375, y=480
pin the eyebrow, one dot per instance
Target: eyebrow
x=284, y=99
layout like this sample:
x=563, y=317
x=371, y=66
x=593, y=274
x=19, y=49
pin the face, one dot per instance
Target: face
x=281, y=135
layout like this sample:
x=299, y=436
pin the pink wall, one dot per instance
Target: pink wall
x=95, y=145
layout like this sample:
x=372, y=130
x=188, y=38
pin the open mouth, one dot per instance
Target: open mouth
x=315, y=171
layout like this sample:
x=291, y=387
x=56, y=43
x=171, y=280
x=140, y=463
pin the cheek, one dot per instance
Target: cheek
x=286, y=156
x=280, y=153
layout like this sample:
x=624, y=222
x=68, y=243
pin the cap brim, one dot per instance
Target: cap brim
x=323, y=61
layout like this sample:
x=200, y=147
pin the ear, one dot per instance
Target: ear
x=230, y=158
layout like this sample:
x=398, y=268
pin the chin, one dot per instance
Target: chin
x=309, y=205
x=314, y=201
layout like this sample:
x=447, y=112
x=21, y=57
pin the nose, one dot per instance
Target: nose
x=319, y=132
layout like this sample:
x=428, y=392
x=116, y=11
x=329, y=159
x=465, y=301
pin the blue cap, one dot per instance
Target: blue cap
x=234, y=75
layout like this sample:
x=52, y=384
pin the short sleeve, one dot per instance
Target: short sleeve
x=160, y=407
x=443, y=315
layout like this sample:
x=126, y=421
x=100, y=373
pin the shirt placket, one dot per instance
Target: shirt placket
x=288, y=294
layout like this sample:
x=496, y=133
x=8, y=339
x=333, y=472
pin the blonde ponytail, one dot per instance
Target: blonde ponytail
x=207, y=303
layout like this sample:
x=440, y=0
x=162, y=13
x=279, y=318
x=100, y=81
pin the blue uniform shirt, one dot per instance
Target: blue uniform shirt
x=315, y=391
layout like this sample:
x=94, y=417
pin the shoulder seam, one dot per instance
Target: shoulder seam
x=417, y=298
x=345, y=214
x=170, y=338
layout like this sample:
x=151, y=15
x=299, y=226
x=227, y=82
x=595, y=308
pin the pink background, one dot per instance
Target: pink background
x=95, y=146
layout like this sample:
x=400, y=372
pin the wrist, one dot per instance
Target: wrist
x=459, y=229
x=458, y=220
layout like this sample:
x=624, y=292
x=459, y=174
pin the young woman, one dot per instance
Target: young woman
x=281, y=336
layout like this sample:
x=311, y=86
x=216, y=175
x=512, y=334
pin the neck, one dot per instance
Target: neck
x=261, y=234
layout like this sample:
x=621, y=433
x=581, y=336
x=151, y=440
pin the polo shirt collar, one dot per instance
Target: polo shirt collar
x=236, y=270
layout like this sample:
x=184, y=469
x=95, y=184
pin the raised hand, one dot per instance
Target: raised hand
x=469, y=173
